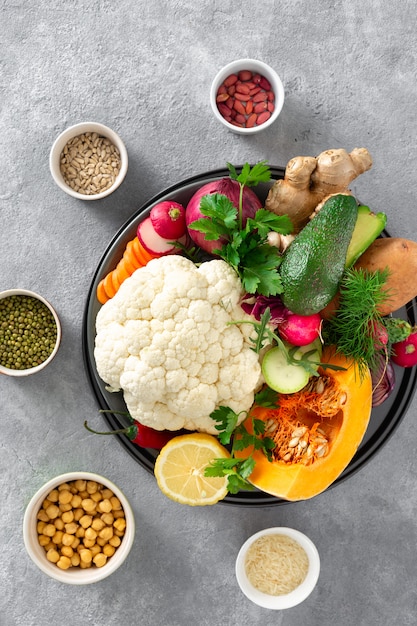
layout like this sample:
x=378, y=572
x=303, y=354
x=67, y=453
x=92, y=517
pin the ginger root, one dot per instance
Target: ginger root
x=309, y=180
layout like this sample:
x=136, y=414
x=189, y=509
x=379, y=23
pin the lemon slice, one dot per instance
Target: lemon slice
x=179, y=470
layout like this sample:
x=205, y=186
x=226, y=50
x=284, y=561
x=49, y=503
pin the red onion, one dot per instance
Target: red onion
x=257, y=305
x=226, y=187
x=383, y=380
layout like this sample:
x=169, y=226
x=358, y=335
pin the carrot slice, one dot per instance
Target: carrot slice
x=102, y=297
x=134, y=256
x=115, y=281
x=141, y=253
x=130, y=259
x=122, y=272
x=108, y=285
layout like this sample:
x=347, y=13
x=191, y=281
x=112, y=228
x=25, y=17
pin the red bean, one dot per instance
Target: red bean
x=245, y=99
x=230, y=80
x=263, y=117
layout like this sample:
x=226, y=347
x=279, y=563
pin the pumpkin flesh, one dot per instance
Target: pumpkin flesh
x=335, y=421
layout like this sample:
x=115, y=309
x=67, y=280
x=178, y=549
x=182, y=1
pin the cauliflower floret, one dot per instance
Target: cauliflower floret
x=165, y=340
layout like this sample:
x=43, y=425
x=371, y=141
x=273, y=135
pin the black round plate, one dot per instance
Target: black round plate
x=384, y=419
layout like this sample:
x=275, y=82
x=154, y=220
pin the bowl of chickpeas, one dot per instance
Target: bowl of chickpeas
x=78, y=528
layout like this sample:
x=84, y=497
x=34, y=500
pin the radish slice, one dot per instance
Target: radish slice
x=154, y=243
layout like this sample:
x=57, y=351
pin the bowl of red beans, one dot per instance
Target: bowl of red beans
x=247, y=96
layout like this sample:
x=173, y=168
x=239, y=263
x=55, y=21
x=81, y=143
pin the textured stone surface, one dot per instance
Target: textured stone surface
x=145, y=68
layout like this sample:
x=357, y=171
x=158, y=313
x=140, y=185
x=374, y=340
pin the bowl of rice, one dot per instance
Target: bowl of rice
x=278, y=568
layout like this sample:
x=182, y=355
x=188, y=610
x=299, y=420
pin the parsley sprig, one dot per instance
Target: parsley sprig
x=245, y=248
x=236, y=469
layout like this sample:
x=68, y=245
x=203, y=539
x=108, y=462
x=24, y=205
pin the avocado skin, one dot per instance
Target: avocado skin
x=315, y=261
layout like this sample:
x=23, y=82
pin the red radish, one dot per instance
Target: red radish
x=300, y=330
x=405, y=352
x=226, y=187
x=168, y=219
x=154, y=243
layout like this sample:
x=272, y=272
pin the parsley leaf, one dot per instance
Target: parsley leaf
x=236, y=469
x=251, y=176
x=245, y=248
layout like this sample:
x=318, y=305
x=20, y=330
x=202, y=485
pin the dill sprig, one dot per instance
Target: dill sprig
x=352, y=330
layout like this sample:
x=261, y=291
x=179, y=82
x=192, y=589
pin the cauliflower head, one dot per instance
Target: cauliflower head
x=165, y=340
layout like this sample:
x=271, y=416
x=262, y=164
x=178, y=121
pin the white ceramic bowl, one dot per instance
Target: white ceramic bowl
x=74, y=131
x=75, y=575
x=257, y=67
x=288, y=600
x=33, y=370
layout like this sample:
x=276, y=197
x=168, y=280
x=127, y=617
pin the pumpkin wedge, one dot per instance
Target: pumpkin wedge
x=316, y=431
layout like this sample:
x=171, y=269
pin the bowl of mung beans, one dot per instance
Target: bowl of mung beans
x=30, y=332
x=88, y=161
x=78, y=528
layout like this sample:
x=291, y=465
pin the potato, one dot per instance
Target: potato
x=400, y=257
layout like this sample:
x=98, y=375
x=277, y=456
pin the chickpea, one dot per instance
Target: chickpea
x=43, y=540
x=52, y=511
x=65, y=507
x=49, y=530
x=86, y=556
x=67, y=551
x=106, y=533
x=53, y=496
x=90, y=534
x=115, y=541
x=100, y=559
x=107, y=494
x=75, y=559
x=91, y=486
x=107, y=518
x=52, y=555
x=120, y=524
x=67, y=540
x=85, y=521
x=71, y=528
x=42, y=516
x=96, y=496
x=88, y=505
x=39, y=527
x=78, y=513
x=108, y=549
x=104, y=506
x=88, y=543
x=95, y=549
x=59, y=523
x=57, y=538
x=97, y=524
x=76, y=501
x=80, y=484
x=65, y=496
x=64, y=562
x=68, y=516
x=64, y=486
x=116, y=504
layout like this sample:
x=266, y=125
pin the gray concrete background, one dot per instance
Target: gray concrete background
x=145, y=68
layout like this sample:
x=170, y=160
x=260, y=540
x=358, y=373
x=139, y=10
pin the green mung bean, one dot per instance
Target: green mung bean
x=28, y=332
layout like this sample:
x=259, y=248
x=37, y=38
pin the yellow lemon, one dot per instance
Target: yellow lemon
x=179, y=469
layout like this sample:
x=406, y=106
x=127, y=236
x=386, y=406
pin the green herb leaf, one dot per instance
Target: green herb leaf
x=251, y=176
x=265, y=221
x=267, y=398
